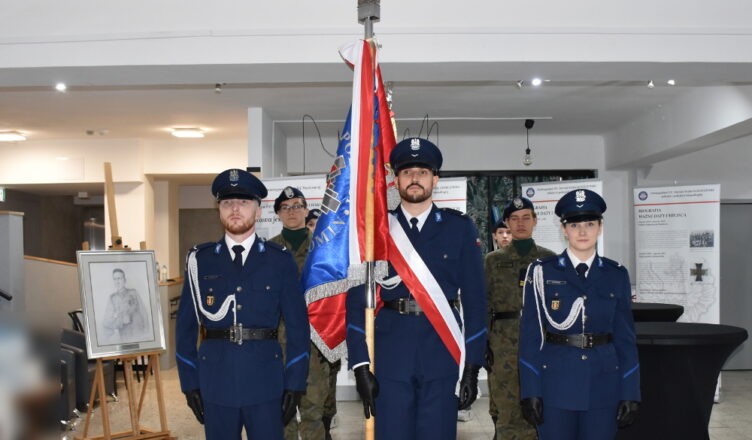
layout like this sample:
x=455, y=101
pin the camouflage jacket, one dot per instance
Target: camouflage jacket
x=299, y=255
x=505, y=268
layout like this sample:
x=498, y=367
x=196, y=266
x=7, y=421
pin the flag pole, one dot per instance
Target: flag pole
x=368, y=12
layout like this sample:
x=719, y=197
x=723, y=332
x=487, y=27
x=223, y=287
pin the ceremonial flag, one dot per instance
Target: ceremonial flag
x=336, y=258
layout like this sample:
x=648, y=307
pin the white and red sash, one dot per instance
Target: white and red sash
x=426, y=290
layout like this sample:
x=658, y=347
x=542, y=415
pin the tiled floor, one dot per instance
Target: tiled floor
x=731, y=418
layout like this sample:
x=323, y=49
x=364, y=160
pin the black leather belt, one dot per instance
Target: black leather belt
x=505, y=315
x=409, y=306
x=239, y=334
x=586, y=340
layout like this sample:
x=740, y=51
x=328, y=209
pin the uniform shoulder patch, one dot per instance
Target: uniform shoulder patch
x=549, y=259
x=207, y=245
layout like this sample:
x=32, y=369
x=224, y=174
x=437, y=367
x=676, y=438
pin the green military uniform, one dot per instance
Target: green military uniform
x=318, y=405
x=504, y=270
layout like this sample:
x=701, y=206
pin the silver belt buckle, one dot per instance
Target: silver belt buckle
x=402, y=306
x=236, y=334
x=586, y=341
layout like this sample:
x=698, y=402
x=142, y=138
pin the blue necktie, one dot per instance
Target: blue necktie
x=238, y=260
x=581, y=270
x=414, y=231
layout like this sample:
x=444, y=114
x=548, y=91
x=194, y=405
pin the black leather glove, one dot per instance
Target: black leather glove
x=489, y=357
x=290, y=402
x=532, y=410
x=193, y=397
x=368, y=389
x=627, y=413
x=468, y=386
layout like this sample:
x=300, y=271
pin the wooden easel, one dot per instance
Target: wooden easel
x=97, y=387
x=136, y=431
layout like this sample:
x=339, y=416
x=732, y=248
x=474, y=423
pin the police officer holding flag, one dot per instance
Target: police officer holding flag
x=579, y=371
x=412, y=393
x=235, y=291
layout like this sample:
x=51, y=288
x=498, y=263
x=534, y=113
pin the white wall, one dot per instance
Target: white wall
x=729, y=164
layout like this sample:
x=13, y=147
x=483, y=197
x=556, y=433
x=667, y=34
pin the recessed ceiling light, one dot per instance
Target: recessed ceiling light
x=188, y=132
x=61, y=87
x=536, y=82
x=650, y=84
x=11, y=136
x=671, y=82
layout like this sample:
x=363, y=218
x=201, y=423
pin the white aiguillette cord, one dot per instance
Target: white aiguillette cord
x=539, y=292
x=196, y=295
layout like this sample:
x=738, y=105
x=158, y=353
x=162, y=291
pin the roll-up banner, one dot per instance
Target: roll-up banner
x=544, y=196
x=677, y=244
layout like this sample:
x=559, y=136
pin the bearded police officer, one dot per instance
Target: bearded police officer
x=318, y=405
x=235, y=291
x=505, y=274
x=412, y=393
x=579, y=372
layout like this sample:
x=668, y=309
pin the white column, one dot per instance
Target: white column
x=12, y=261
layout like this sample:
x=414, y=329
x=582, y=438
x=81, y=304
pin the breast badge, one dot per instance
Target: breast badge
x=555, y=304
x=210, y=300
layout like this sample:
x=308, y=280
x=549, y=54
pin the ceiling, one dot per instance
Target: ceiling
x=481, y=98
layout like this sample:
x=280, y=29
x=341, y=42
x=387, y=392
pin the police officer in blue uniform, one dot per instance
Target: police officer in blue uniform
x=579, y=371
x=413, y=392
x=235, y=291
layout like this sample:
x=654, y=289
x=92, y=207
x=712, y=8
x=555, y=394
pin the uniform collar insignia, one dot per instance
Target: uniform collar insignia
x=600, y=262
x=261, y=246
x=437, y=216
x=217, y=248
x=562, y=261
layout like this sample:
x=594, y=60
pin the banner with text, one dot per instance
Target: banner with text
x=449, y=193
x=677, y=235
x=544, y=196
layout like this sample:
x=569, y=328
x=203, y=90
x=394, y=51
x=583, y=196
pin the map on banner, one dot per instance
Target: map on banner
x=677, y=247
x=544, y=196
x=449, y=193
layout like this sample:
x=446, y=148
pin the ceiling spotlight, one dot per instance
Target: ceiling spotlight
x=520, y=84
x=61, y=87
x=527, y=159
x=218, y=88
x=650, y=84
x=188, y=132
x=11, y=136
x=671, y=82
x=536, y=82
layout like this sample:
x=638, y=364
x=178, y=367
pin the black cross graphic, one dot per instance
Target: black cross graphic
x=698, y=271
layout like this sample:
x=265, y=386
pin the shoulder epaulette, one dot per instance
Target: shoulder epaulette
x=453, y=211
x=272, y=245
x=551, y=258
x=202, y=246
x=612, y=263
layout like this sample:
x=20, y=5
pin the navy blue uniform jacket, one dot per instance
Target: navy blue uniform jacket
x=235, y=375
x=573, y=378
x=406, y=346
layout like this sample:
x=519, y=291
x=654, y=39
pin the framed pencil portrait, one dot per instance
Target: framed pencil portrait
x=120, y=300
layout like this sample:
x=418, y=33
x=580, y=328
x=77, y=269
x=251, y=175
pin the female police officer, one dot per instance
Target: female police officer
x=579, y=372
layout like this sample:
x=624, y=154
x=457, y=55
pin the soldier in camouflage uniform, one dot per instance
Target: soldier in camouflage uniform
x=505, y=274
x=318, y=405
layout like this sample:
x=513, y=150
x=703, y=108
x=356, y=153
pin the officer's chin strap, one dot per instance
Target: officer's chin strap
x=539, y=292
x=196, y=296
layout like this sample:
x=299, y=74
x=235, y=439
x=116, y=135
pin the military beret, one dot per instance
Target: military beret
x=290, y=192
x=312, y=214
x=415, y=152
x=237, y=184
x=580, y=205
x=499, y=225
x=516, y=204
